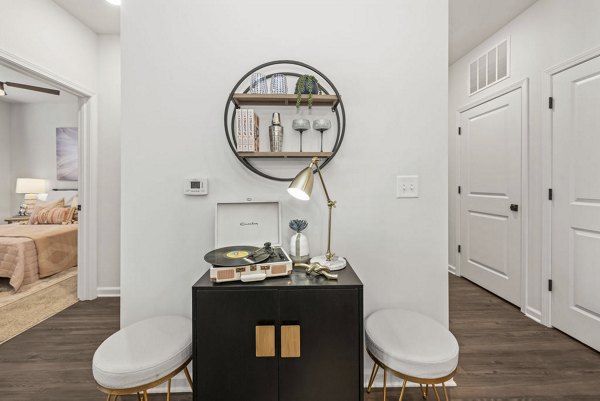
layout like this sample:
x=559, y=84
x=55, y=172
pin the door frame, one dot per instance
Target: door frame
x=547, y=136
x=524, y=86
x=88, y=162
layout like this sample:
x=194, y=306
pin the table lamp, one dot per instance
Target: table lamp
x=30, y=187
x=301, y=188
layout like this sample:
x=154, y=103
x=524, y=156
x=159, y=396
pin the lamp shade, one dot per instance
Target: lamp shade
x=31, y=186
x=301, y=186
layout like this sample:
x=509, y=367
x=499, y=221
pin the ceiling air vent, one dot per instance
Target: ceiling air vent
x=490, y=68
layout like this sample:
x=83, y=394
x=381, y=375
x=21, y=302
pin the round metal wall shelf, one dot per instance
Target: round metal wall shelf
x=337, y=107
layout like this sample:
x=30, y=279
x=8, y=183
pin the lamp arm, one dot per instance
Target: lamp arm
x=315, y=161
x=330, y=205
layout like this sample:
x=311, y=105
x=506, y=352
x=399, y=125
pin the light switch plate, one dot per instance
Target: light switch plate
x=407, y=186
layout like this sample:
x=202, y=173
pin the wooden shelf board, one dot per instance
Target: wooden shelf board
x=284, y=155
x=242, y=99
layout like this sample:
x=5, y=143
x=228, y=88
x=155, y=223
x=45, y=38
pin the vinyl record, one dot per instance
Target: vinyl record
x=233, y=256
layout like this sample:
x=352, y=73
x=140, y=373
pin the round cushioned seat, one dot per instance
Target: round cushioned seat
x=411, y=344
x=143, y=352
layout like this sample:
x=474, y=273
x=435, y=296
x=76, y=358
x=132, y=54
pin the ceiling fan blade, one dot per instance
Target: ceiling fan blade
x=33, y=88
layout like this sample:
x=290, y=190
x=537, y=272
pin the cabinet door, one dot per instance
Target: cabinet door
x=328, y=365
x=226, y=365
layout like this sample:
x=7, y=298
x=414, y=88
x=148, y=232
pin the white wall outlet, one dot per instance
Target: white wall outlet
x=195, y=186
x=407, y=186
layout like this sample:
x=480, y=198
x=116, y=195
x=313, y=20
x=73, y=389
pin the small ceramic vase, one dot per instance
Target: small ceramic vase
x=258, y=83
x=314, y=89
x=299, y=251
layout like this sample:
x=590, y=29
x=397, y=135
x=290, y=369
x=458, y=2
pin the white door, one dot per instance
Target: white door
x=490, y=177
x=576, y=202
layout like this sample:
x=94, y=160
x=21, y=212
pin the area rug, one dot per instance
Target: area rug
x=36, y=302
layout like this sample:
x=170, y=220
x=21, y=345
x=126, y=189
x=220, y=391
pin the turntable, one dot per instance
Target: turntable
x=252, y=223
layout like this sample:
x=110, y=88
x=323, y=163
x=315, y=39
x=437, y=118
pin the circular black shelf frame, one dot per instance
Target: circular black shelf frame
x=229, y=122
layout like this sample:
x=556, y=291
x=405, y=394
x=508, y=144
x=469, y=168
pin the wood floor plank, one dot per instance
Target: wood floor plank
x=504, y=355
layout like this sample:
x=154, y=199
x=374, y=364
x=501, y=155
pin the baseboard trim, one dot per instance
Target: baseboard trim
x=533, y=314
x=395, y=381
x=451, y=269
x=105, y=292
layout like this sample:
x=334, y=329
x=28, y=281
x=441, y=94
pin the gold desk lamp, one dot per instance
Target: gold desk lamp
x=301, y=188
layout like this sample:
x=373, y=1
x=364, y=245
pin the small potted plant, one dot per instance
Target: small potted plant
x=299, y=251
x=306, y=85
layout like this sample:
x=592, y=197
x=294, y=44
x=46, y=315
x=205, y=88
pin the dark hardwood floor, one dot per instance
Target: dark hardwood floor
x=504, y=356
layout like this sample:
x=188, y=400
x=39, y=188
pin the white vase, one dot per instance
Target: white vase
x=299, y=251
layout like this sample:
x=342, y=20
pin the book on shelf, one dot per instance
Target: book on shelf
x=247, y=130
x=238, y=130
x=253, y=131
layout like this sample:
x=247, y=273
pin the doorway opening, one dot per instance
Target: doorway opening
x=50, y=142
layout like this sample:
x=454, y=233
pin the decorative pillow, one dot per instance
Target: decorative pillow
x=71, y=216
x=56, y=215
x=50, y=204
x=73, y=200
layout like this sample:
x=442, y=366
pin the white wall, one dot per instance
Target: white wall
x=33, y=142
x=5, y=180
x=546, y=34
x=109, y=163
x=44, y=34
x=387, y=58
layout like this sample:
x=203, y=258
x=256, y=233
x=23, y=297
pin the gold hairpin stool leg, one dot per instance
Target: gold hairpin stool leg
x=384, y=384
x=402, y=391
x=436, y=392
x=189, y=378
x=424, y=392
x=373, y=375
x=169, y=390
x=145, y=395
x=445, y=391
x=139, y=395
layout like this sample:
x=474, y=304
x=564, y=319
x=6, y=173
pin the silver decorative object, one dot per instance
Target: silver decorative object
x=322, y=125
x=276, y=134
x=301, y=125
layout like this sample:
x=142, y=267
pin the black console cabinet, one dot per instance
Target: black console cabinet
x=296, y=338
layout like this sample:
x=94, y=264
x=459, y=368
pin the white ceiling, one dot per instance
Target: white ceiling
x=473, y=21
x=99, y=15
x=16, y=95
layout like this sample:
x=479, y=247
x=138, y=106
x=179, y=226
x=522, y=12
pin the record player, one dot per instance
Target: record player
x=248, y=243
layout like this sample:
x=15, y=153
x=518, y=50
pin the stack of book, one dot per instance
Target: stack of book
x=247, y=132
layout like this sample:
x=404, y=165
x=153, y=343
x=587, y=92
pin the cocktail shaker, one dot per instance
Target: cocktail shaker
x=276, y=133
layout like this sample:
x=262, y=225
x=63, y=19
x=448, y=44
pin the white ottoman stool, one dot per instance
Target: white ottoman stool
x=411, y=346
x=144, y=355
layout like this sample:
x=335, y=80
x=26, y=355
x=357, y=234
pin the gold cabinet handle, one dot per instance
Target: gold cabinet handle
x=290, y=341
x=265, y=341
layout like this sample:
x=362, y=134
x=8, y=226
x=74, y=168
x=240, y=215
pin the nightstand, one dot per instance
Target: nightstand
x=16, y=219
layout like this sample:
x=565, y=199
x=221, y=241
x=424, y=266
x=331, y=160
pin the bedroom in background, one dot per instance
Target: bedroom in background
x=39, y=181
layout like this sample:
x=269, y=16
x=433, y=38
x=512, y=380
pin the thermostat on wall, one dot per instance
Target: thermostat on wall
x=195, y=186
